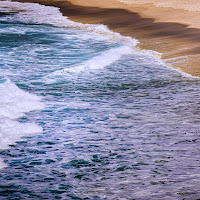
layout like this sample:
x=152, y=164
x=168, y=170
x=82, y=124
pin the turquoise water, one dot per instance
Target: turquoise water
x=84, y=115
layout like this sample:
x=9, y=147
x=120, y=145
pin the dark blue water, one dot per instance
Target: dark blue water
x=84, y=116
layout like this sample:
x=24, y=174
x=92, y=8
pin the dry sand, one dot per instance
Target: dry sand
x=170, y=27
x=191, y=5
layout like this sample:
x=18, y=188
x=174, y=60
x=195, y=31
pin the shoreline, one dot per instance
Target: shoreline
x=178, y=43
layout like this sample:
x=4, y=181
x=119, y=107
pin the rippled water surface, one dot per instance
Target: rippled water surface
x=84, y=115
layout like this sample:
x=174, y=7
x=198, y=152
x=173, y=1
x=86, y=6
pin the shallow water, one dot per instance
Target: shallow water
x=85, y=116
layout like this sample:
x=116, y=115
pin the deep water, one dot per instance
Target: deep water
x=84, y=115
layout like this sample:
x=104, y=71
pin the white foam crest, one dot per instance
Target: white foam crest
x=104, y=30
x=98, y=62
x=14, y=103
x=12, y=131
x=33, y=13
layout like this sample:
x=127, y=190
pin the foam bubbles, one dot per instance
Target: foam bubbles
x=15, y=103
x=98, y=62
x=12, y=131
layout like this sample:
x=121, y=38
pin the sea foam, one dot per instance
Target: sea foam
x=40, y=14
x=14, y=104
x=98, y=62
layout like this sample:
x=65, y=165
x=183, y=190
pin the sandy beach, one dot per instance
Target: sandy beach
x=172, y=28
x=88, y=108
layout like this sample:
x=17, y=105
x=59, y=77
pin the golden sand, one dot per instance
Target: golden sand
x=190, y=5
x=170, y=27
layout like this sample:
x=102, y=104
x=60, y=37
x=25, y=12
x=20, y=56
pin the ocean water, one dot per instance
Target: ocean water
x=85, y=115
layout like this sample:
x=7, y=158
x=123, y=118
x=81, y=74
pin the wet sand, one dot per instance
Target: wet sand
x=172, y=30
